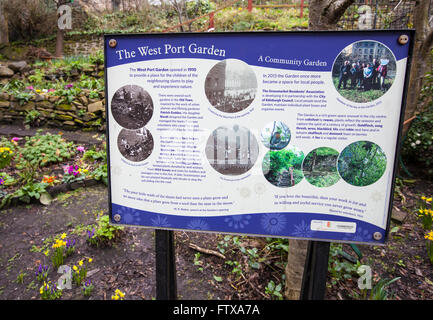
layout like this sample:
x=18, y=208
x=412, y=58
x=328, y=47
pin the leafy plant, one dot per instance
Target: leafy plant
x=274, y=290
x=31, y=117
x=6, y=155
x=104, y=233
x=379, y=291
x=50, y=291
x=338, y=268
x=24, y=97
x=41, y=150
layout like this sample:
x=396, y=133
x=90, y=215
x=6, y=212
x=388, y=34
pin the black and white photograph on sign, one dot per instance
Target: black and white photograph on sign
x=135, y=145
x=320, y=167
x=275, y=135
x=364, y=71
x=231, y=86
x=132, y=107
x=362, y=163
x=232, y=150
x=283, y=168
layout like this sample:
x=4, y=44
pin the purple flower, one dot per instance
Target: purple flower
x=80, y=149
x=2, y=181
x=30, y=88
x=69, y=86
x=16, y=139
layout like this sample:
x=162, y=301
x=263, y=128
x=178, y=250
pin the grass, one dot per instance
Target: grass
x=359, y=95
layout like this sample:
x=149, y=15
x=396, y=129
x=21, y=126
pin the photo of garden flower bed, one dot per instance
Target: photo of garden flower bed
x=283, y=168
x=362, y=163
x=320, y=167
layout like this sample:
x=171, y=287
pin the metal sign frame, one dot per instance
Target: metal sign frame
x=110, y=41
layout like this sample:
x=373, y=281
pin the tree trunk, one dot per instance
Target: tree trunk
x=295, y=268
x=323, y=15
x=421, y=61
x=4, y=31
x=59, y=43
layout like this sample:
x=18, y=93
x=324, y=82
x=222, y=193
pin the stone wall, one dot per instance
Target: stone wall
x=83, y=113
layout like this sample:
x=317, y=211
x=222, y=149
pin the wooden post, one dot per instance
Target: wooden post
x=211, y=20
x=250, y=5
x=302, y=9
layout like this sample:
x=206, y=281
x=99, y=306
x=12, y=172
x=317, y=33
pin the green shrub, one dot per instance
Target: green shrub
x=41, y=150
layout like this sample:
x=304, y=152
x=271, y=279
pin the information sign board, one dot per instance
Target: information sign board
x=279, y=134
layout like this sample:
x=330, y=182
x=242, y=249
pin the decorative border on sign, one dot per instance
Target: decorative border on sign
x=274, y=224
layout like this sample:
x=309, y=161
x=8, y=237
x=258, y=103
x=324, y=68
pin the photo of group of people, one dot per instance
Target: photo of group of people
x=132, y=108
x=231, y=86
x=364, y=71
x=135, y=145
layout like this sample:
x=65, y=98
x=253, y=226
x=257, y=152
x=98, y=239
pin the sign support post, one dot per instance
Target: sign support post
x=166, y=288
x=315, y=271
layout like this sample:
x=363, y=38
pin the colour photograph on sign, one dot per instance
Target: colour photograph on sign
x=279, y=134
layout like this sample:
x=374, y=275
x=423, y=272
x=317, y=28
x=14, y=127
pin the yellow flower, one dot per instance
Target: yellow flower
x=90, y=259
x=80, y=263
x=429, y=199
x=116, y=297
x=63, y=236
x=423, y=198
x=75, y=268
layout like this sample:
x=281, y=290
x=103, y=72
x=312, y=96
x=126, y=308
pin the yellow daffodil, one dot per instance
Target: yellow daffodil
x=75, y=268
x=80, y=263
x=63, y=236
x=90, y=259
x=429, y=199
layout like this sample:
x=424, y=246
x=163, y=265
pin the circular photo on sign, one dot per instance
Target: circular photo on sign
x=361, y=163
x=364, y=71
x=320, y=167
x=231, y=86
x=275, y=135
x=135, y=145
x=232, y=150
x=132, y=107
x=283, y=168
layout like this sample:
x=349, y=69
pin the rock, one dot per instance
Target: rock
x=83, y=100
x=4, y=104
x=64, y=117
x=39, y=98
x=6, y=72
x=398, y=216
x=44, y=104
x=24, y=107
x=96, y=107
x=65, y=107
x=18, y=66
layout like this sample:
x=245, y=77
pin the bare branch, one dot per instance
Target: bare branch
x=337, y=9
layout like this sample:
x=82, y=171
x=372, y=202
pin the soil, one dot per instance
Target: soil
x=129, y=263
